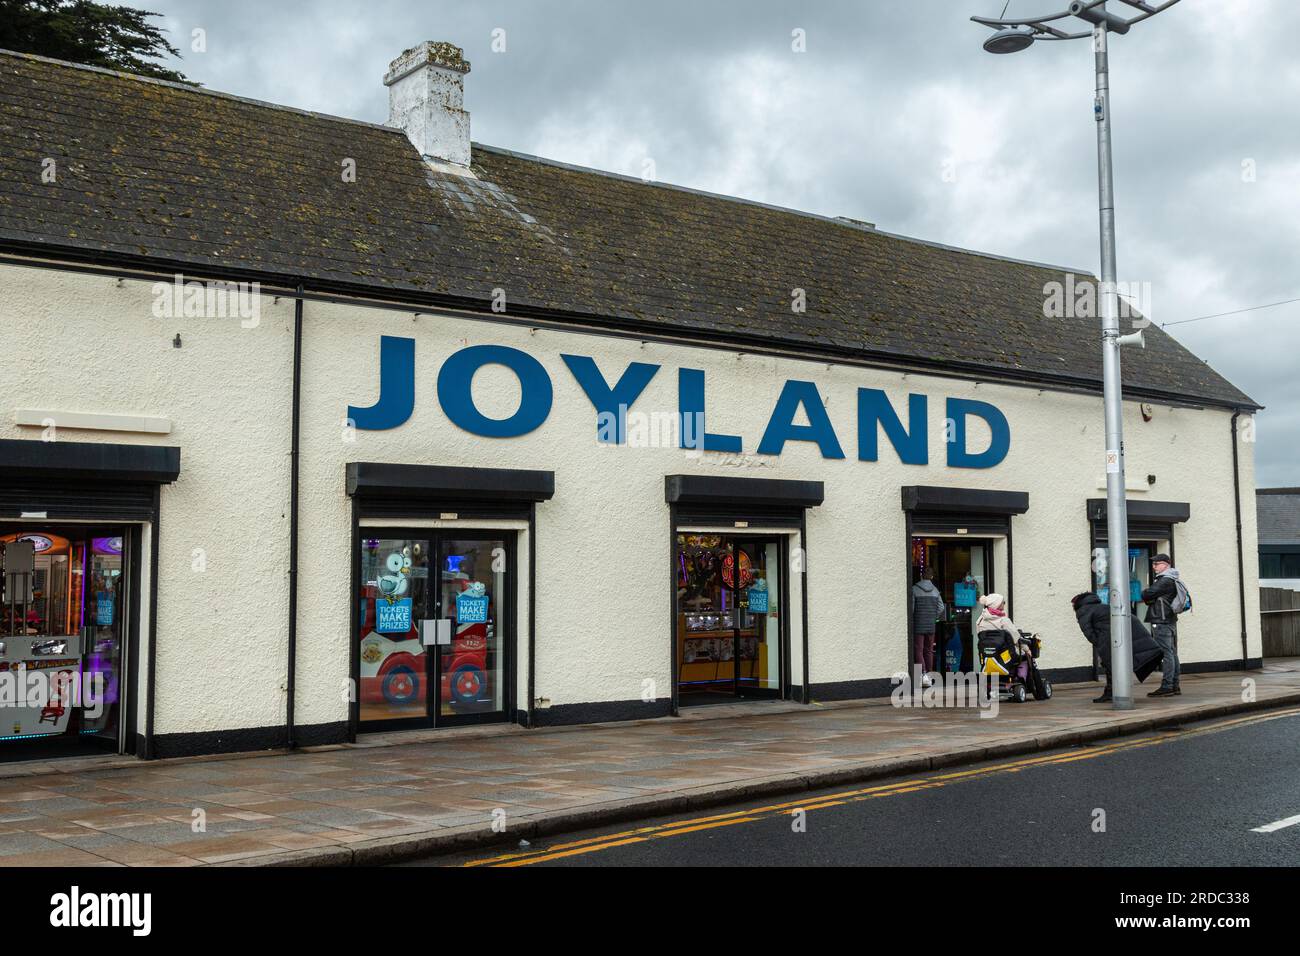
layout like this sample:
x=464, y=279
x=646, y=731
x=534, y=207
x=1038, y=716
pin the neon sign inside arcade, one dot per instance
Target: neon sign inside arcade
x=611, y=403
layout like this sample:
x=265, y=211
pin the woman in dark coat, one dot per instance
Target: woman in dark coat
x=1094, y=621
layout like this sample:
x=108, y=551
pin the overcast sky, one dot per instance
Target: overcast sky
x=893, y=114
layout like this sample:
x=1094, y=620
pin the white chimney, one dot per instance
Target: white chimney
x=426, y=90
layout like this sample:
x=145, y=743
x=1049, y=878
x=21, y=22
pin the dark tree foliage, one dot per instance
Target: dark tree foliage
x=80, y=31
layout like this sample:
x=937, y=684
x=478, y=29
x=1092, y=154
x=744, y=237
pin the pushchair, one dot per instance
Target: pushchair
x=1015, y=663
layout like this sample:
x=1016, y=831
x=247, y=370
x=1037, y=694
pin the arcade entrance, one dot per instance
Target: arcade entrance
x=65, y=593
x=729, y=617
x=963, y=572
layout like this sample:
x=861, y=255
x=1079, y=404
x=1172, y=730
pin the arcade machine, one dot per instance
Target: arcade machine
x=34, y=639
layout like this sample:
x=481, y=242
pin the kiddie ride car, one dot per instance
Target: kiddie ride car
x=393, y=666
x=1015, y=664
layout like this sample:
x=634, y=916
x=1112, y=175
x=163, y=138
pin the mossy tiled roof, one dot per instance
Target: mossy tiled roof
x=160, y=172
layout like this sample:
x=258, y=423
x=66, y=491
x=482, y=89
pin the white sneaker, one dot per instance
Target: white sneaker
x=927, y=680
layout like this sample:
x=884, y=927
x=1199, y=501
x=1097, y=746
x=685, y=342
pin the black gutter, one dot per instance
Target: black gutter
x=149, y=694
x=116, y=265
x=294, y=444
x=1241, y=544
x=803, y=602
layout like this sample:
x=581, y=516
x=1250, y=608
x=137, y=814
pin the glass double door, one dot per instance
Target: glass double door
x=432, y=622
x=63, y=601
x=962, y=572
x=729, y=617
x=1140, y=554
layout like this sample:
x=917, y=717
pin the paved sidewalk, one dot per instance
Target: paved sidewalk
x=388, y=798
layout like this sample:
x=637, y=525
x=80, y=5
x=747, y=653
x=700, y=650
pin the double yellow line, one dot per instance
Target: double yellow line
x=679, y=827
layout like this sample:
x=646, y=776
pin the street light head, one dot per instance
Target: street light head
x=1009, y=40
x=1098, y=15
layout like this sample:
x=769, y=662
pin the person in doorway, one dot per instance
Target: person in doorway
x=1159, y=599
x=1094, y=621
x=927, y=610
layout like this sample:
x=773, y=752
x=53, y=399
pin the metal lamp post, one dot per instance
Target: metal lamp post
x=1013, y=35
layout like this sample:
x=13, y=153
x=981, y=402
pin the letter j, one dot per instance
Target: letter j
x=396, y=387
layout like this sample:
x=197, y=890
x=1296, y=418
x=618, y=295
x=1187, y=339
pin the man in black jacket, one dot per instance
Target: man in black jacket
x=1094, y=621
x=1164, y=623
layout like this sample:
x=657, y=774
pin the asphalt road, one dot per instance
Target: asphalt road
x=1189, y=796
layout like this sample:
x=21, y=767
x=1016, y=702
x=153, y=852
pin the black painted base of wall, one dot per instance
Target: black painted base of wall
x=1211, y=667
x=243, y=740
x=1068, y=675
x=597, y=713
x=853, y=689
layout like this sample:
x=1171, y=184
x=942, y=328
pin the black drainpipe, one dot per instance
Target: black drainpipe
x=532, y=611
x=289, y=735
x=150, y=695
x=1241, y=560
x=803, y=603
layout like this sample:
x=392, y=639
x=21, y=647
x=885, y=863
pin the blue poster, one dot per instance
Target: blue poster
x=964, y=594
x=757, y=600
x=104, y=610
x=471, y=609
x=952, y=653
x=393, y=618
x=1134, y=590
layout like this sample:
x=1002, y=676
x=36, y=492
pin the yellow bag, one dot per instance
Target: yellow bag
x=997, y=663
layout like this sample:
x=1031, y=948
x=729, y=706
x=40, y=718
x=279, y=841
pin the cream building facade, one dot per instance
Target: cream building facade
x=333, y=509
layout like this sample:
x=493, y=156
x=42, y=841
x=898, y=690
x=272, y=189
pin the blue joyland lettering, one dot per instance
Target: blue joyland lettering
x=611, y=404
x=876, y=412
x=958, y=456
x=396, y=387
x=781, y=427
x=690, y=408
x=455, y=392
x=396, y=404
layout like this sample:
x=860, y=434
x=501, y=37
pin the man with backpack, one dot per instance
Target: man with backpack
x=1166, y=599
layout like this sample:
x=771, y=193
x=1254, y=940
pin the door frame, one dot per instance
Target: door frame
x=783, y=630
x=432, y=719
x=986, y=541
x=1141, y=533
x=126, y=623
x=782, y=541
x=125, y=740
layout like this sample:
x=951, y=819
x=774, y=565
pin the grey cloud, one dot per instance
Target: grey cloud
x=864, y=121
